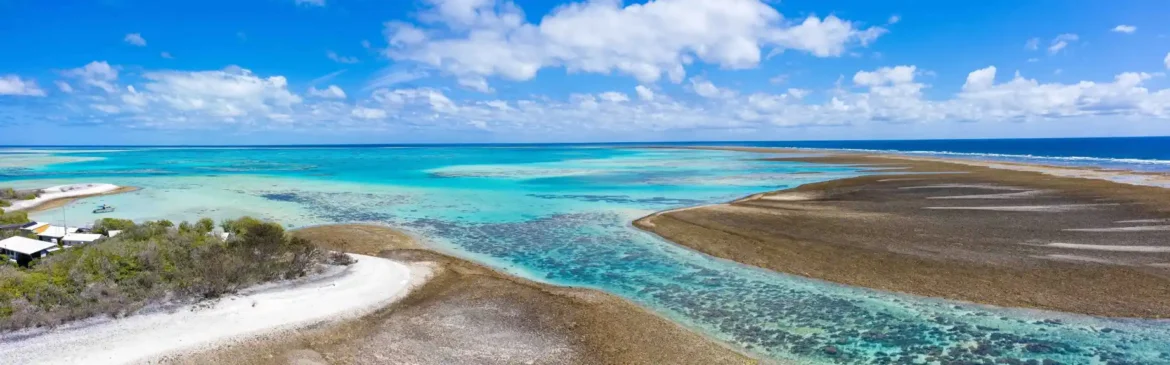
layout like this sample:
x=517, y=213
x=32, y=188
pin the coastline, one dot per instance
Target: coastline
x=59, y=199
x=1017, y=235
x=469, y=313
x=281, y=307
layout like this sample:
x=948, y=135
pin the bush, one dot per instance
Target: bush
x=105, y=225
x=149, y=263
x=4, y=203
x=13, y=217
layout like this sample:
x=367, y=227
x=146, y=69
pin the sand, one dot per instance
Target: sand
x=369, y=284
x=953, y=231
x=58, y=192
x=471, y=314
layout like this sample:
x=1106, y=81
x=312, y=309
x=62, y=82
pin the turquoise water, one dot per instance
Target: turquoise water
x=562, y=215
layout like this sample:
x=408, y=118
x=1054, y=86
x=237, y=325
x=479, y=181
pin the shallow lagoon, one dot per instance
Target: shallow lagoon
x=562, y=215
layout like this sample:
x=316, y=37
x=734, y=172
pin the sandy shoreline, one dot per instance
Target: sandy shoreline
x=470, y=314
x=56, y=196
x=1064, y=239
x=364, y=287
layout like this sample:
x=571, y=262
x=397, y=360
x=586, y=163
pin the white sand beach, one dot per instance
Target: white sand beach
x=367, y=285
x=63, y=191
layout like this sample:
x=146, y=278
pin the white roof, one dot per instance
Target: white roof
x=57, y=231
x=24, y=245
x=114, y=232
x=83, y=237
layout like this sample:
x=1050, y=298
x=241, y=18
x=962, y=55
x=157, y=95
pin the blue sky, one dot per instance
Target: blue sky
x=363, y=71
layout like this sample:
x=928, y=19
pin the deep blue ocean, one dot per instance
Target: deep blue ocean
x=561, y=214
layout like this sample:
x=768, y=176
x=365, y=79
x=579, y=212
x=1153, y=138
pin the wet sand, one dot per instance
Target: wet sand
x=469, y=314
x=60, y=202
x=1020, y=237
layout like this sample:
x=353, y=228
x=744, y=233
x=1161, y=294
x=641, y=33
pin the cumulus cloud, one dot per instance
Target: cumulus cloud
x=476, y=39
x=1127, y=29
x=368, y=113
x=135, y=39
x=64, y=87
x=644, y=93
x=1032, y=44
x=707, y=89
x=14, y=85
x=1061, y=41
x=331, y=92
x=97, y=74
x=340, y=59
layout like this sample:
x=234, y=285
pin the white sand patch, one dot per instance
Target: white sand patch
x=1075, y=258
x=790, y=196
x=1015, y=195
x=369, y=284
x=35, y=160
x=1110, y=247
x=1026, y=208
x=63, y=191
x=1138, y=221
x=962, y=186
x=1121, y=229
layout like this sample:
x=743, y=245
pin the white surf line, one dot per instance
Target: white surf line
x=1143, y=221
x=1026, y=208
x=1077, y=246
x=1120, y=229
x=369, y=284
x=970, y=186
x=1015, y=195
x=1076, y=258
x=62, y=191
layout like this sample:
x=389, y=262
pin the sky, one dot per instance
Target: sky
x=487, y=71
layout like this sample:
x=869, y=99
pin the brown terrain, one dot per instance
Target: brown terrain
x=952, y=230
x=469, y=314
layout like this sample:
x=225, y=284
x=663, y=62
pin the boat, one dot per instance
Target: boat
x=104, y=208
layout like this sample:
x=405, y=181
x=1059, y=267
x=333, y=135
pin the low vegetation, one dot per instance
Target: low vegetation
x=13, y=217
x=152, y=263
x=13, y=194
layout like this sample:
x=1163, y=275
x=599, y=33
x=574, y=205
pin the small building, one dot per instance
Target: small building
x=15, y=226
x=115, y=232
x=73, y=239
x=36, y=228
x=54, y=234
x=22, y=250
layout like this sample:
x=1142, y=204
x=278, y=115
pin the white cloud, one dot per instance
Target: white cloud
x=166, y=55
x=368, y=113
x=894, y=19
x=476, y=39
x=366, y=44
x=644, y=93
x=106, y=108
x=310, y=2
x=135, y=39
x=1166, y=60
x=340, y=59
x=706, y=89
x=64, y=87
x=1061, y=41
x=331, y=92
x=1127, y=29
x=97, y=74
x=388, y=78
x=229, y=93
x=1032, y=44
x=14, y=85
x=613, y=97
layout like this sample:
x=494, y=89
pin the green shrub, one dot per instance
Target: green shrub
x=13, y=217
x=105, y=225
x=4, y=203
x=147, y=264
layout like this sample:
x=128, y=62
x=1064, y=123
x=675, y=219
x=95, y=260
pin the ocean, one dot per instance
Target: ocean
x=561, y=214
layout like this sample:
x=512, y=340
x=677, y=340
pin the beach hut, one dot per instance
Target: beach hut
x=73, y=239
x=36, y=227
x=23, y=250
x=54, y=234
